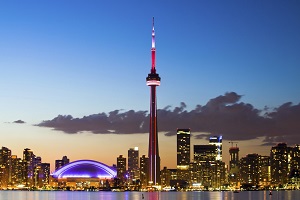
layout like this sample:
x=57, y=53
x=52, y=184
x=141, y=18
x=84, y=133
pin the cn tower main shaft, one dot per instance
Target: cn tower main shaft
x=153, y=80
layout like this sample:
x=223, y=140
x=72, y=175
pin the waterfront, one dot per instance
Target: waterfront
x=79, y=195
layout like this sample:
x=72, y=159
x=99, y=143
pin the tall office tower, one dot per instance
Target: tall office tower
x=153, y=80
x=212, y=170
x=265, y=171
x=183, y=148
x=5, y=167
x=121, y=169
x=62, y=162
x=280, y=159
x=165, y=177
x=65, y=160
x=144, y=168
x=133, y=164
x=217, y=141
x=183, y=153
x=42, y=175
x=234, y=165
x=28, y=168
x=234, y=157
x=250, y=169
x=16, y=175
x=295, y=163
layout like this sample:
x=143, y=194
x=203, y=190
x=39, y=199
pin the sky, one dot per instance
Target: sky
x=73, y=75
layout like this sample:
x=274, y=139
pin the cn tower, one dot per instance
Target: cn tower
x=153, y=80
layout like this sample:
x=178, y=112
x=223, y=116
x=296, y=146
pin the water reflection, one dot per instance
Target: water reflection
x=64, y=195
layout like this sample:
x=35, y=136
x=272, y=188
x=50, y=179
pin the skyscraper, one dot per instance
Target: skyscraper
x=28, y=159
x=183, y=148
x=60, y=163
x=5, y=167
x=133, y=163
x=234, y=169
x=17, y=169
x=153, y=80
x=183, y=153
x=280, y=159
x=212, y=171
x=144, y=168
x=121, y=168
x=250, y=169
x=217, y=141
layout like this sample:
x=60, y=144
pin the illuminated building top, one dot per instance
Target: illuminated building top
x=153, y=78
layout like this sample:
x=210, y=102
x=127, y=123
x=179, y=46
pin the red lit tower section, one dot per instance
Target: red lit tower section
x=153, y=80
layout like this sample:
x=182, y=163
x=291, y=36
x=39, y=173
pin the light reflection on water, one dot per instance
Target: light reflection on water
x=78, y=195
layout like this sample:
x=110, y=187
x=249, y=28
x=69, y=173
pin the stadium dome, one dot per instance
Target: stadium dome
x=85, y=169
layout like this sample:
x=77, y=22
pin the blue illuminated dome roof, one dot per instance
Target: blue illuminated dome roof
x=85, y=169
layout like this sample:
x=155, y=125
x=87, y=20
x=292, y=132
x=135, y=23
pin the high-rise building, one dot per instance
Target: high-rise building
x=144, y=168
x=265, y=171
x=42, y=175
x=249, y=169
x=121, y=169
x=165, y=177
x=28, y=170
x=206, y=169
x=60, y=163
x=65, y=160
x=280, y=159
x=153, y=80
x=5, y=167
x=183, y=153
x=255, y=170
x=45, y=176
x=183, y=148
x=234, y=169
x=295, y=165
x=17, y=169
x=133, y=164
x=217, y=141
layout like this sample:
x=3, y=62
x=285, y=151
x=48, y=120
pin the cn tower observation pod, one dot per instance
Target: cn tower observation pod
x=85, y=169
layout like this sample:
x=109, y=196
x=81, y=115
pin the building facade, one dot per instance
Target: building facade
x=133, y=164
x=183, y=153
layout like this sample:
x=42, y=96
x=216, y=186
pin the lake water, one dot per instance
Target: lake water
x=78, y=195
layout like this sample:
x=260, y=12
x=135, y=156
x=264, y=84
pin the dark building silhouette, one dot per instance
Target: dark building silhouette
x=60, y=163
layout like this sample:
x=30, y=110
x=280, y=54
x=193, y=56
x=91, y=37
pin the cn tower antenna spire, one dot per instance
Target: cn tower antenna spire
x=153, y=70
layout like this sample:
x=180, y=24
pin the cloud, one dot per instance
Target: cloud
x=224, y=115
x=114, y=122
x=19, y=122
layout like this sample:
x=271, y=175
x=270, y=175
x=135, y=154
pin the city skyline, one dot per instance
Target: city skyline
x=228, y=69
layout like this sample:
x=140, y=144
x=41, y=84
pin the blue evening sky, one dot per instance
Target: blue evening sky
x=85, y=57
